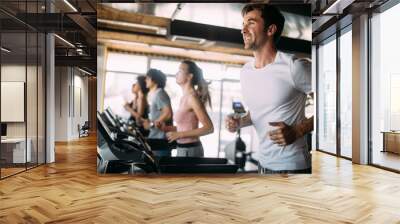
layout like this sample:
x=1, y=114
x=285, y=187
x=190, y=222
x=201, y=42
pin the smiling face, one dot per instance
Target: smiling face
x=253, y=32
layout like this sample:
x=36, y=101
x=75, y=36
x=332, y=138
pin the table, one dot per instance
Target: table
x=391, y=141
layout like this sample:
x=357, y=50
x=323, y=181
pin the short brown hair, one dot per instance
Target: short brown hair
x=270, y=14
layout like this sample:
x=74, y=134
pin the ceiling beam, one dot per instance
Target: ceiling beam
x=109, y=35
x=82, y=61
x=84, y=24
x=105, y=12
x=178, y=53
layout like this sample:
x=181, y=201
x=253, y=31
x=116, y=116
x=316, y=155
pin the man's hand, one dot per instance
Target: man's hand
x=284, y=134
x=158, y=124
x=232, y=123
x=161, y=125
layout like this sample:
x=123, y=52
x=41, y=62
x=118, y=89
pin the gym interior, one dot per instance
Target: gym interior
x=133, y=38
x=66, y=63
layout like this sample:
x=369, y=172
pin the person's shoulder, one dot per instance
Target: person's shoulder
x=295, y=61
x=301, y=63
x=287, y=58
x=159, y=93
x=193, y=98
x=140, y=96
x=162, y=94
x=248, y=66
x=296, y=58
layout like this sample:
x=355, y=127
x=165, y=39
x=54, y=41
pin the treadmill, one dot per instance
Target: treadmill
x=118, y=143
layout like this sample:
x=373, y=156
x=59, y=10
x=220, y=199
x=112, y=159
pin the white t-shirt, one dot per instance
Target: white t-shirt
x=276, y=93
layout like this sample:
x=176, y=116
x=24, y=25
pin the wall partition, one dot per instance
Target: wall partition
x=22, y=88
x=382, y=90
x=334, y=94
x=385, y=88
x=326, y=90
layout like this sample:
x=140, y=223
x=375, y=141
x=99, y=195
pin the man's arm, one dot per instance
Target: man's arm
x=164, y=104
x=166, y=114
x=307, y=125
x=233, y=123
x=304, y=127
x=245, y=120
x=286, y=135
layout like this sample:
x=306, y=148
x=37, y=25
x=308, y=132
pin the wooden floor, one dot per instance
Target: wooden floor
x=70, y=191
x=10, y=171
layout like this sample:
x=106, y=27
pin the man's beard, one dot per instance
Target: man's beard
x=251, y=46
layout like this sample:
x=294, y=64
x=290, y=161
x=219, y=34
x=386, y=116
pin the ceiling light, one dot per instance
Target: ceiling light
x=65, y=41
x=5, y=50
x=158, y=30
x=121, y=42
x=188, y=39
x=70, y=5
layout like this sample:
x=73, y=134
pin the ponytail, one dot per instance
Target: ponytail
x=203, y=92
x=199, y=83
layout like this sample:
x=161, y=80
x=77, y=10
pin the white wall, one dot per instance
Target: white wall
x=80, y=100
x=71, y=94
x=61, y=103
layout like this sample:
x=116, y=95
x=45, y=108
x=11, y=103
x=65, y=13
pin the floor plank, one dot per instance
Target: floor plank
x=70, y=191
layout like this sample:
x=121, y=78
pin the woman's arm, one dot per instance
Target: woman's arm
x=204, y=119
x=130, y=110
